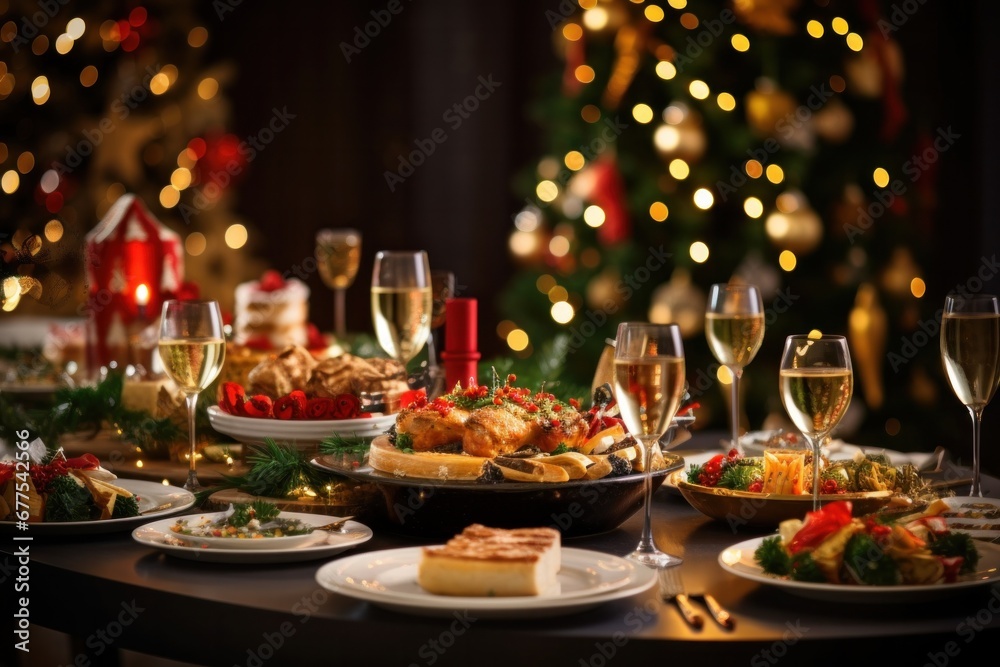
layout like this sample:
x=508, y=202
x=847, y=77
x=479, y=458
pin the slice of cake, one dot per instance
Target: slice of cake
x=271, y=312
x=493, y=562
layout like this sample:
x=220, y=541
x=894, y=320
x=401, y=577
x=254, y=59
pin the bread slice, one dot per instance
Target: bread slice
x=493, y=562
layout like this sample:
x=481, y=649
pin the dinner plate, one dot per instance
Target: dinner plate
x=158, y=535
x=979, y=517
x=285, y=542
x=253, y=431
x=388, y=579
x=738, y=560
x=155, y=500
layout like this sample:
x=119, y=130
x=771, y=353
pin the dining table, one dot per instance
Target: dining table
x=110, y=593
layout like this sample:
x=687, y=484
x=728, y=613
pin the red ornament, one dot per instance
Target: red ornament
x=220, y=161
x=601, y=183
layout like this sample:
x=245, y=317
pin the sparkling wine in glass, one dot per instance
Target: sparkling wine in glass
x=649, y=386
x=816, y=387
x=442, y=289
x=401, y=302
x=970, y=349
x=734, y=326
x=338, y=254
x=192, y=348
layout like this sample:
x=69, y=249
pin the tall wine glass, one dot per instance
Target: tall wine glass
x=734, y=326
x=442, y=289
x=649, y=385
x=338, y=254
x=401, y=302
x=970, y=348
x=192, y=348
x=816, y=387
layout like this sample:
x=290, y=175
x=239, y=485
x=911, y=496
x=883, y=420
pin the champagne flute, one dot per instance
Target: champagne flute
x=338, y=254
x=816, y=387
x=734, y=326
x=442, y=289
x=401, y=302
x=649, y=385
x=192, y=347
x=970, y=349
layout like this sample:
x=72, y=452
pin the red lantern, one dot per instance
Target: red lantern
x=132, y=263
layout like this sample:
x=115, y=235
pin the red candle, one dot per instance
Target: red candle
x=461, y=344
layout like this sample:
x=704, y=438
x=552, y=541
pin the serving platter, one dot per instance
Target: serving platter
x=306, y=433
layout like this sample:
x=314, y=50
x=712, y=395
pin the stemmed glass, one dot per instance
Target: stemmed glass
x=192, y=347
x=649, y=386
x=338, y=254
x=401, y=302
x=734, y=326
x=970, y=348
x=816, y=387
x=442, y=289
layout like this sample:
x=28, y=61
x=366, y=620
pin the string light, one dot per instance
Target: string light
x=584, y=73
x=775, y=174
x=679, y=169
x=740, y=42
x=195, y=243
x=658, y=211
x=562, y=312
x=544, y=284
x=558, y=293
x=881, y=177
x=839, y=26
x=517, y=340
x=699, y=252
x=574, y=160
x=653, y=13
x=854, y=42
x=699, y=89
x=918, y=287
x=753, y=207
x=236, y=236
x=666, y=70
x=814, y=28
x=787, y=260
x=547, y=191
x=594, y=216
x=703, y=198
x=643, y=113
x=754, y=169
x=726, y=101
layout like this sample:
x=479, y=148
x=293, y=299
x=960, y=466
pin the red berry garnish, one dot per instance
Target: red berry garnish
x=271, y=281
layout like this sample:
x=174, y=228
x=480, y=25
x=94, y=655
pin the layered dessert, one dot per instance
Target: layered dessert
x=271, y=313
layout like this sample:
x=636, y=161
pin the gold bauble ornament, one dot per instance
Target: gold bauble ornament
x=767, y=15
x=867, y=329
x=602, y=293
x=834, y=122
x=766, y=105
x=795, y=226
x=681, y=136
x=679, y=302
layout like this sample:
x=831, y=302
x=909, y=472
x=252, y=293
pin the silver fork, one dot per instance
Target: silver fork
x=672, y=589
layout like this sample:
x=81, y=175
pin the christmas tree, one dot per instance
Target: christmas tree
x=699, y=142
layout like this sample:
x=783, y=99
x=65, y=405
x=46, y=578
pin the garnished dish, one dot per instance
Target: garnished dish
x=255, y=525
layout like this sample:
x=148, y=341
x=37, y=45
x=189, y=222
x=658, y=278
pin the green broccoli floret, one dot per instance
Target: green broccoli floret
x=125, y=507
x=739, y=477
x=65, y=500
x=867, y=563
x=957, y=544
x=804, y=568
x=773, y=558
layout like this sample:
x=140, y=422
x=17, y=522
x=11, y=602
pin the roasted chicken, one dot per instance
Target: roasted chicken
x=430, y=428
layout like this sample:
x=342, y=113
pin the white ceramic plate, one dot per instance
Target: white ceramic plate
x=738, y=560
x=286, y=542
x=252, y=431
x=321, y=545
x=154, y=498
x=389, y=579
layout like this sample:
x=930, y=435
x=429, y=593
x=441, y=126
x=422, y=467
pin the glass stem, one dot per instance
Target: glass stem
x=736, y=372
x=977, y=420
x=192, y=402
x=340, y=325
x=814, y=442
x=646, y=540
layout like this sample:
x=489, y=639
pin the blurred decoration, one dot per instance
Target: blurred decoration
x=681, y=150
x=101, y=99
x=867, y=329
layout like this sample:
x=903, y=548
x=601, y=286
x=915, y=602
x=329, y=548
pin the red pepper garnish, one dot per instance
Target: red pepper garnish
x=408, y=398
x=320, y=408
x=688, y=408
x=85, y=462
x=820, y=525
x=259, y=406
x=291, y=406
x=233, y=398
x=346, y=406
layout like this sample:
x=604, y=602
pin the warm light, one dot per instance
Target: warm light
x=88, y=76
x=881, y=177
x=195, y=243
x=787, y=260
x=165, y=482
x=523, y=244
x=677, y=4
x=740, y=42
x=642, y=113
x=699, y=89
x=775, y=174
x=75, y=28
x=726, y=101
x=236, y=236
x=815, y=334
x=544, y=283
x=787, y=202
x=724, y=375
x=208, y=88
x=547, y=191
x=854, y=42
x=658, y=211
x=11, y=179
x=918, y=287
x=595, y=19
x=753, y=207
x=197, y=37
x=674, y=114
x=142, y=295
x=839, y=26
x=590, y=258
x=559, y=246
x=527, y=220
x=180, y=178
x=666, y=70
x=53, y=230
x=594, y=216
x=517, y=340
x=590, y=113
x=776, y=226
x=703, y=198
x=574, y=160
x=699, y=252
x=584, y=73
x=169, y=196
x=558, y=293
x=64, y=43
x=159, y=84
x=679, y=169
x=754, y=169
x=562, y=312
x=654, y=13
x=667, y=138
x=40, y=90
x=814, y=28
x=25, y=162
x=11, y=293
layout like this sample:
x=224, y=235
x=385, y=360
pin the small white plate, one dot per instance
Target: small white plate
x=320, y=545
x=738, y=560
x=389, y=579
x=253, y=431
x=152, y=495
x=286, y=542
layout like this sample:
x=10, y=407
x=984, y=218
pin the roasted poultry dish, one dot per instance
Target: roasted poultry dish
x=491, y=424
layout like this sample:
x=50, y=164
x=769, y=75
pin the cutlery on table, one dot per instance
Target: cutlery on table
x=672, y=589
x=335, y=527
x=719, y=613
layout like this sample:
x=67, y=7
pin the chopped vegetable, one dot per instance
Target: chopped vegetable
x=67, y=501
x=125, y=506
x=773, y=558
x=868, y=563
x=957, y=544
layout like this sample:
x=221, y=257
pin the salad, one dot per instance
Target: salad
x=833, y=547
x=245, y=521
